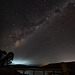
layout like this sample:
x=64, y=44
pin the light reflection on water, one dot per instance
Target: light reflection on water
x=30, y=72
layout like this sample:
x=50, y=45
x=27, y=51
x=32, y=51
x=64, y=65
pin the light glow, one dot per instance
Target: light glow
x=26, y=62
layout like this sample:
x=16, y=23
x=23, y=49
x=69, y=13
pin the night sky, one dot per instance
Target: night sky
x=38, y=31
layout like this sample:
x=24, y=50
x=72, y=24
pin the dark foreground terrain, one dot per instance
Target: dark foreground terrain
x=50, y=69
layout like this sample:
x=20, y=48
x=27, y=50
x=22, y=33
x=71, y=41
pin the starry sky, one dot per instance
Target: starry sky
x=38, y=31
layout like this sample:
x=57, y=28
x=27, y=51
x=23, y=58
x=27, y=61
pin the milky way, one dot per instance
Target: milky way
x=19, y=26
x=38, y=32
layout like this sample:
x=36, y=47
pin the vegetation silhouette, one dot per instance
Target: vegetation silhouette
x=6, y=58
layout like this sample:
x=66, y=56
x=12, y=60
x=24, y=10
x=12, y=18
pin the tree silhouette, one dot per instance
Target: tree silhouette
x=6, y=58
x=2, y=54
